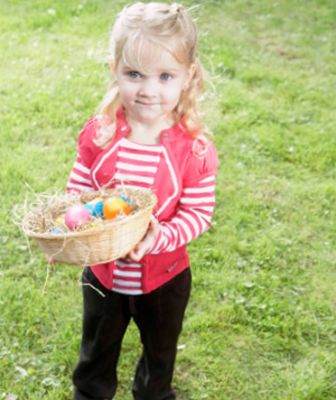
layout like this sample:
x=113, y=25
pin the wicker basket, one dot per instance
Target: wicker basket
x=109, y=241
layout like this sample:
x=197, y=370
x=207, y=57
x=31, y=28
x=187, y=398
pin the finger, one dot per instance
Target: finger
x=50, y=260
x=136, y=255
x=153, y=221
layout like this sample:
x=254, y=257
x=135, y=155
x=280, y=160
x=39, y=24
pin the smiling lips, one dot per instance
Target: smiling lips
x=146, y=104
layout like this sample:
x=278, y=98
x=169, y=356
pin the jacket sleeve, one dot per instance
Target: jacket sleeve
x=79, y=179
x=194, y=212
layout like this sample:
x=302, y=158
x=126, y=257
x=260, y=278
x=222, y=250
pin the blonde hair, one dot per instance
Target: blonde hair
x=152, y=27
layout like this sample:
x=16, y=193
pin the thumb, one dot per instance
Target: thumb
x=136, y=254
x=50, y=260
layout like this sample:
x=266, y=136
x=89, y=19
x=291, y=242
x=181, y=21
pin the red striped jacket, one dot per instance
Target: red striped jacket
x=186, y=161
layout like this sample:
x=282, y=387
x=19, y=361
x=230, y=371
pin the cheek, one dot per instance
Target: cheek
x=173, y=93
x=126, y=92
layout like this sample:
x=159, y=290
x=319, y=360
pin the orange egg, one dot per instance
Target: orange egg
x=115, y=206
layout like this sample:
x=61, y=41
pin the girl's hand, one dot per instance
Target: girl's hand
x=50, y=260
x=147, y=242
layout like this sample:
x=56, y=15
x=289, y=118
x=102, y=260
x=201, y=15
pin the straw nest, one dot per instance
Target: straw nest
x=97, y=242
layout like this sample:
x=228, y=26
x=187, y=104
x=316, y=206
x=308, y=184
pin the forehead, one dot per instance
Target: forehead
x=150, y=57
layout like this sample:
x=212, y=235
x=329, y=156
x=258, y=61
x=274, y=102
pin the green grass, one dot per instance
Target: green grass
x=261, y=321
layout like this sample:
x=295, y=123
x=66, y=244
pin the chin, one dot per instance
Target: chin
x=149, y=115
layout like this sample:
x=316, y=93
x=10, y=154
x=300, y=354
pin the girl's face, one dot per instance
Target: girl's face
x=150, y=96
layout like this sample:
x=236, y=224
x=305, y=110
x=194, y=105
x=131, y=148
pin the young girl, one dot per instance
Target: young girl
x=147, y=133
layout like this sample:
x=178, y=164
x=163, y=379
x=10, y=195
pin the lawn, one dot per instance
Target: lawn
x=261, y=320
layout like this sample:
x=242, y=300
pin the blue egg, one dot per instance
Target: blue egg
x=96, y=209
x=90, y=207
x=56, y=230
x=125, y=199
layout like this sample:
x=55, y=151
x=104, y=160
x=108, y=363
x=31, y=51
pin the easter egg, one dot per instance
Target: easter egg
x=77, y=215
x=56, y=230
x=123, y=198
x=90, y=207
x=95, y=223
x=59, y=221
x=115, y=206
x=95, y=208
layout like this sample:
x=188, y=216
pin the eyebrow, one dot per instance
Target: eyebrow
x=169, y=70
x=126, y=68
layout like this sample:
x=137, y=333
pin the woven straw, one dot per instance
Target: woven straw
x=106, y=242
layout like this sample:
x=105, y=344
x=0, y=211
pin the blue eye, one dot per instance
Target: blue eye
x=134, y=74
x=165, y=76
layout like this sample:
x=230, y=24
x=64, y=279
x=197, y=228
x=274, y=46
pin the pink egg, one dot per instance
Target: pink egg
x=76, y=216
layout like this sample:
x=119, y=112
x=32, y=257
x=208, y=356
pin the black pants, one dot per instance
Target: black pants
x=159, y=317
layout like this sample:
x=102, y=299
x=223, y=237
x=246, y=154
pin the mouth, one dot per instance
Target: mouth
x=144, y=103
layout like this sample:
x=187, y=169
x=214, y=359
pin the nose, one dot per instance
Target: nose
x=148, y=88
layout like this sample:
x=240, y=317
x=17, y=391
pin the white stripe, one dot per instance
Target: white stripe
x=172, y=238
x=199, y=217
x=137, y=178
x=192, y=221
x=174, y=181
x=157, y=244
x=134, y=167
x=205, y=217
x=127, y=283
x=79, y=178
x=141, y=157
x=127, y=291
x=199, y=190
x=196, y=200
x=163, y=243
x=102, y=161
x=169, y=233
x=184, y=232
x=129, y=274
x=175, y=239
x=126, y=264
x=138, y=146
x=208, y=179
x=82, y=168
x=186, y=228
x=80, y=187
x=206, y=208
x=133, y=186
x=161, y=247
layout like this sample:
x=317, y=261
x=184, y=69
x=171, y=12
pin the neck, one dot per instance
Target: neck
x=145, y=133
